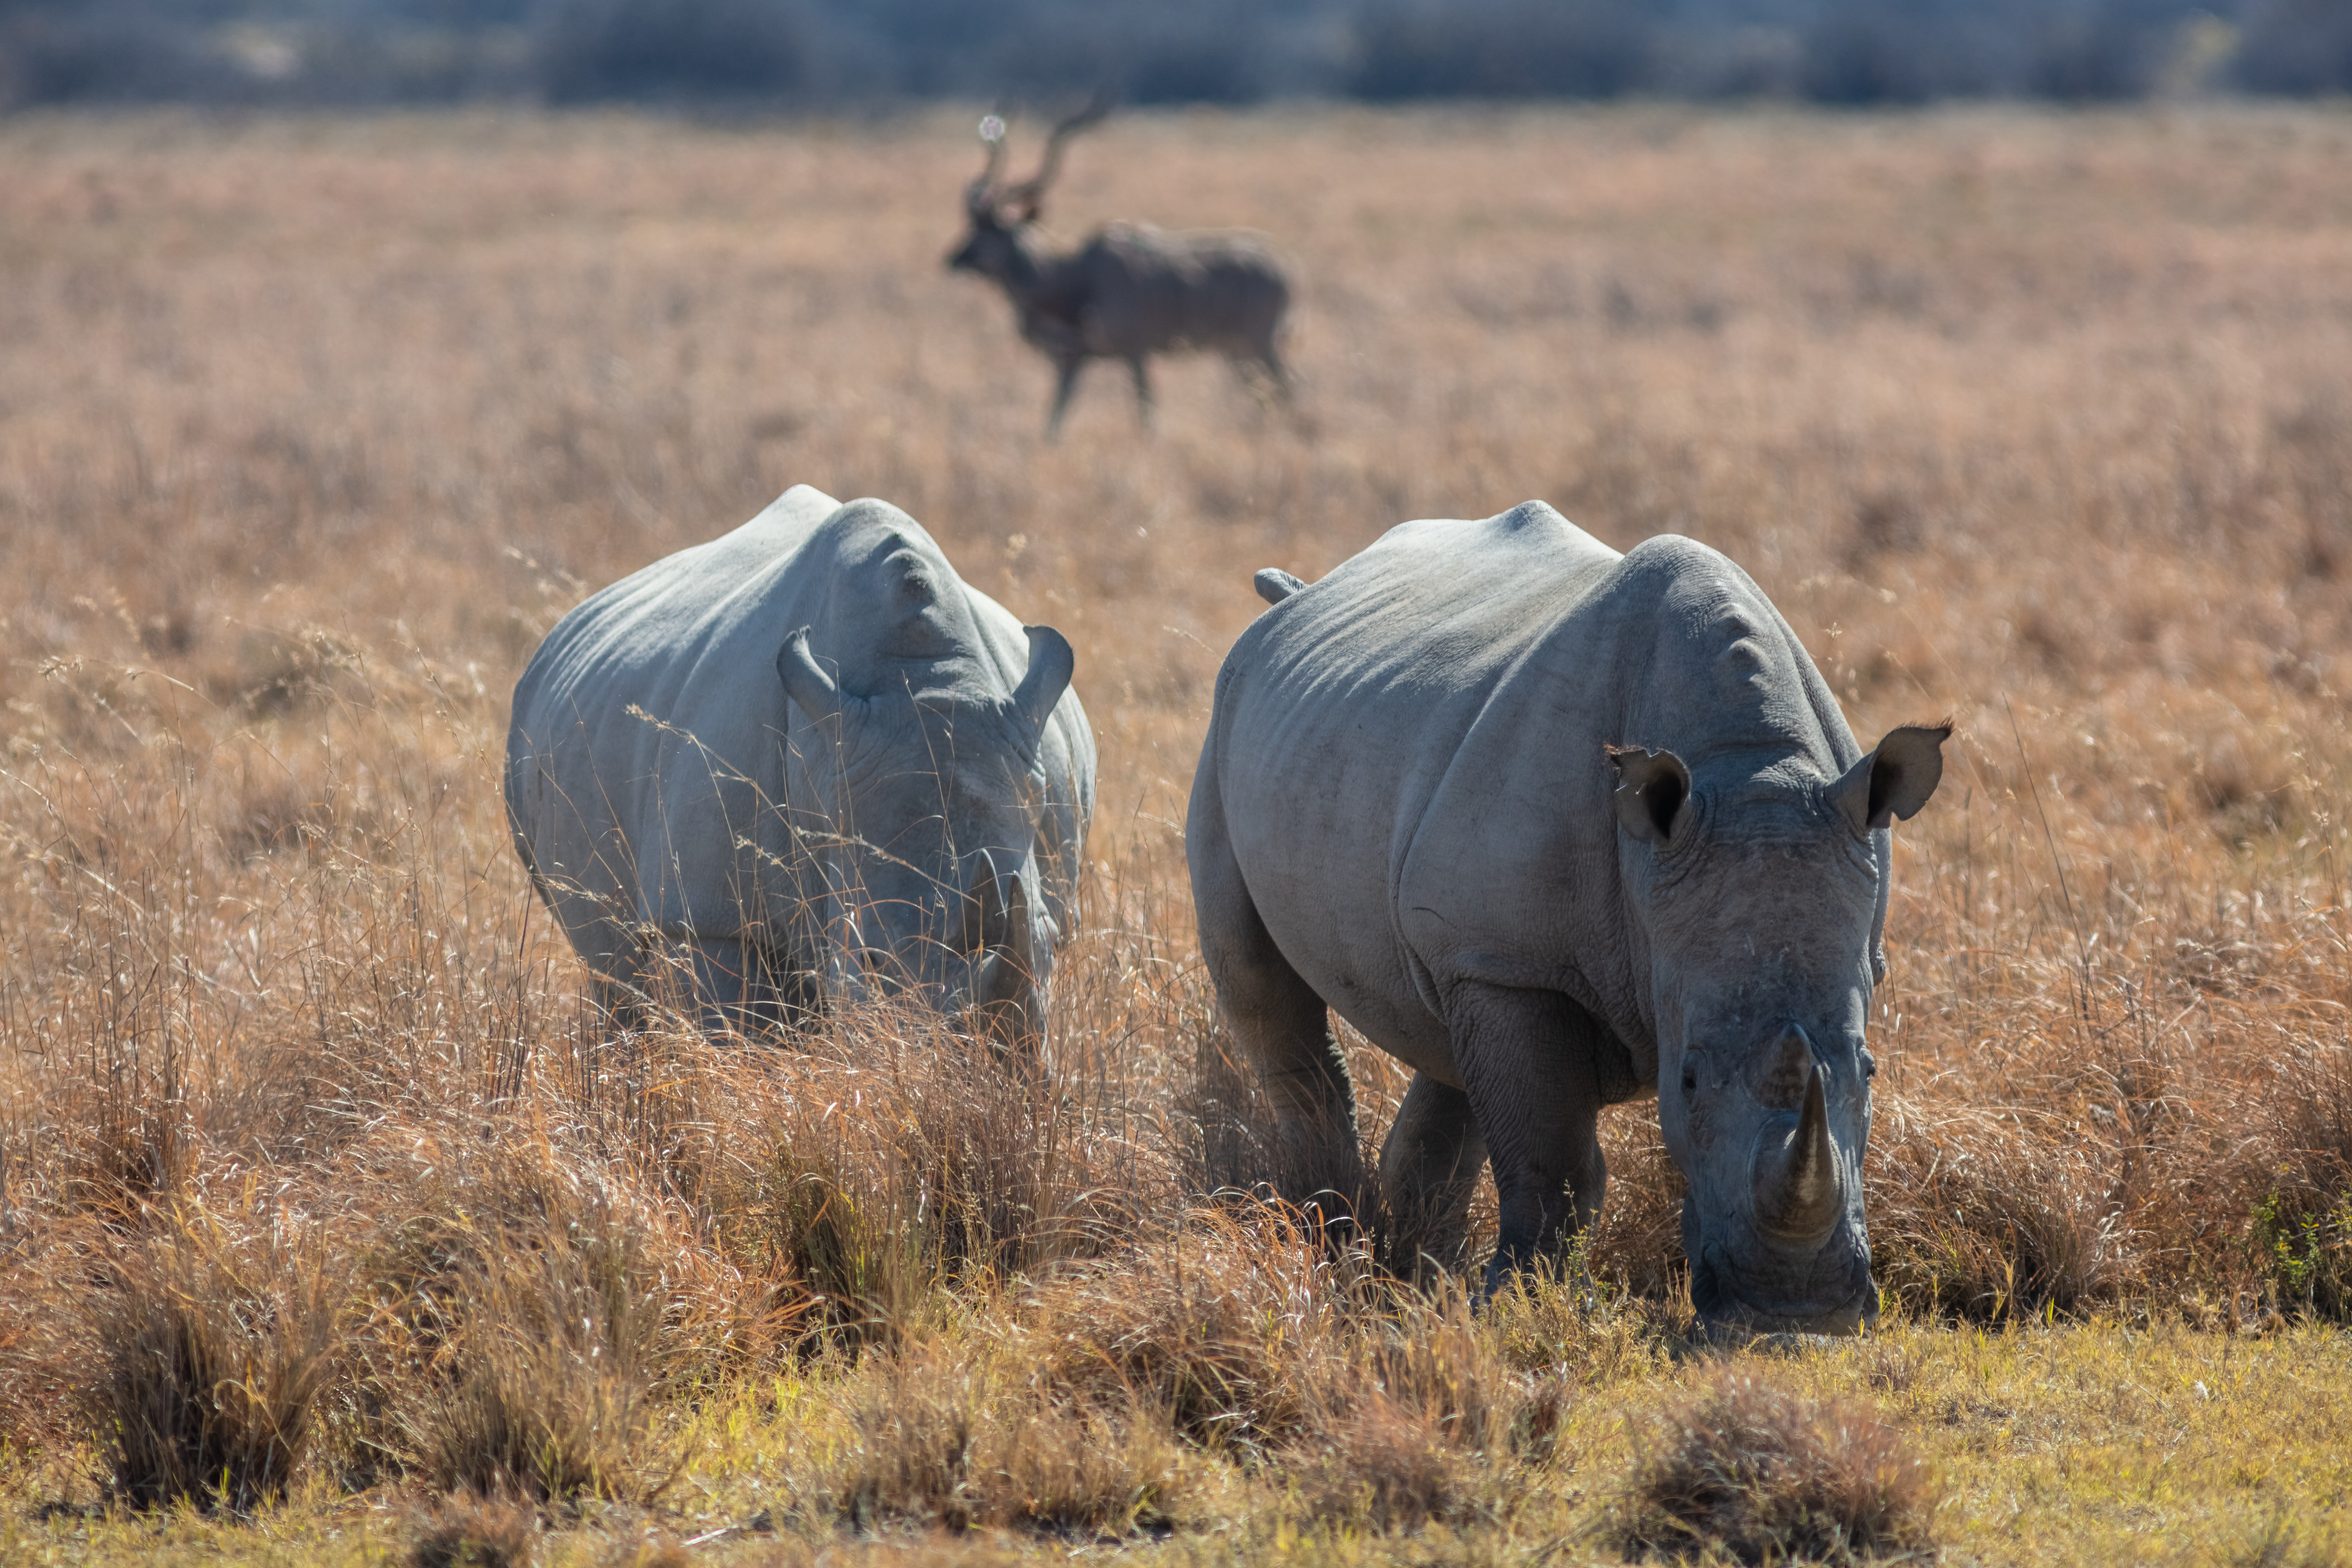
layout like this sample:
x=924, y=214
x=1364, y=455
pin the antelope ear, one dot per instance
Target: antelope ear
x=812, y=692
x=1652, y=794
x=1050, y=665
x=1894, y=781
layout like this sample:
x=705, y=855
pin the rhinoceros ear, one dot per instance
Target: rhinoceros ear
x=1273, y=585
x=1894, y=781
x=1050, y=665
x=1653, y=795
x=812, y=692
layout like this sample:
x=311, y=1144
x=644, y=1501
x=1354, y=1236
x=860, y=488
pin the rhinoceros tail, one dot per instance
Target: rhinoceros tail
x=1275, y=584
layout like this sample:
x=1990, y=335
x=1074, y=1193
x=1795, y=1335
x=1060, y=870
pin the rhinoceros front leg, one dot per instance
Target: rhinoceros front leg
x=745, y=986
x=1529, y=1065
x=1429, y=1171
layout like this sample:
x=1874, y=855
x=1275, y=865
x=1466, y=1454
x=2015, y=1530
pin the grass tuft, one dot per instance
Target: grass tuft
x=1215, y=1323
x=1753, y=1472
x=947, y=1440
x=522, y=1337
x=468, y=1530
x=1384, y=1465
x=213, y=1350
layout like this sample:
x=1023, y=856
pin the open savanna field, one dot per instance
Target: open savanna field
x=324, y=1198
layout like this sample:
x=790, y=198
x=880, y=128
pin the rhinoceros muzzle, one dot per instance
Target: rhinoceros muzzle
x=1001, y=999
x=1726, y=1311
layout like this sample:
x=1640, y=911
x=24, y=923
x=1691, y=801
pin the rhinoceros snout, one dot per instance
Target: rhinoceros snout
x=1730, y=1299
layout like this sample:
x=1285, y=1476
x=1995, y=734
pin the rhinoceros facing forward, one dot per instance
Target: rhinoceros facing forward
x=1560, y=828
x=805, y=762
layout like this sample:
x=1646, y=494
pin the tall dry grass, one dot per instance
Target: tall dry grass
x=309, y=429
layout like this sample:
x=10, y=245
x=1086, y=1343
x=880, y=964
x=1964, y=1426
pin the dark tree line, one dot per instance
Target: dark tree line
x=830, y=53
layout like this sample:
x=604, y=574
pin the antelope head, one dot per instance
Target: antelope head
x=998, y=214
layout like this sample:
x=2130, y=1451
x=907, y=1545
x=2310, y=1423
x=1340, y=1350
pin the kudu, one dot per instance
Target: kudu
x=1131, y=292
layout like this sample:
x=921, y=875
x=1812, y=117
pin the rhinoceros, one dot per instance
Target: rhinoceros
x=1559, y=829
x=801, y=764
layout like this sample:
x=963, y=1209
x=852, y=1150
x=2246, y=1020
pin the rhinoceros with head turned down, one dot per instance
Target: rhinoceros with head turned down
x=803, y=762
x=1558, y=829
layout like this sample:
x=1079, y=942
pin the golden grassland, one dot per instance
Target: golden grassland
x=309, y=428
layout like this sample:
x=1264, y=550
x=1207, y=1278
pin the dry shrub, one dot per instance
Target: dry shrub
x=1387, y=1467
x=44, y=1342
x=846, y=1234
x=471, y=1530
x=213, y=1350
x=878, y=1162
x=1215, y=1323
x=1551, y=1319
x=657, y=1554
x=1990, y=1215
x=1418, y=1419
x=1760, y=1475
x=2304, y=1222
x=1231, y=1141
x=948, y=1437
x=553, y=1407
x=529, y=1310
x=886, y=1158
x=1255, y=1339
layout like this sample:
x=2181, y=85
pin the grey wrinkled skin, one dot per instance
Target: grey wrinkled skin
x=1560, y=828
x=1132, y=292
x=806, y=762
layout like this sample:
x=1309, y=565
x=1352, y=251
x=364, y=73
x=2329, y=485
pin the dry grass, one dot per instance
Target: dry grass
x=1750, y=1471
x=309, y=429
x=471, y=1530
x=212, y=1350
x=954, y=1439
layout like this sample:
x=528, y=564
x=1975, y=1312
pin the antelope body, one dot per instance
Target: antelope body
x=1130, y=292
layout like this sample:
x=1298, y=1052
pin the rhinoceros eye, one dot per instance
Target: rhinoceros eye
x=1690, y=1079
x=1869, y=1065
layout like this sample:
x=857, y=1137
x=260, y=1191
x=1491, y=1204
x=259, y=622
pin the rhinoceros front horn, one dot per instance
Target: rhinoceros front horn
x=1798, y=1195
x=1017, y=931
x=983, y=907
x=996, y=913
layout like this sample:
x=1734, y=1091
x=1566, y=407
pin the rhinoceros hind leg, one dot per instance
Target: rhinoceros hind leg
x=1531, y=1062
x=1429, y=1170
x=1283, y=1026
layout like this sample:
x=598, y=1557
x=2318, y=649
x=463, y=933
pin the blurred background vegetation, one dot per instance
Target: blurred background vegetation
x=769, y=55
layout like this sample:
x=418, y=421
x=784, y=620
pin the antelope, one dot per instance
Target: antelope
x=1132, y=291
